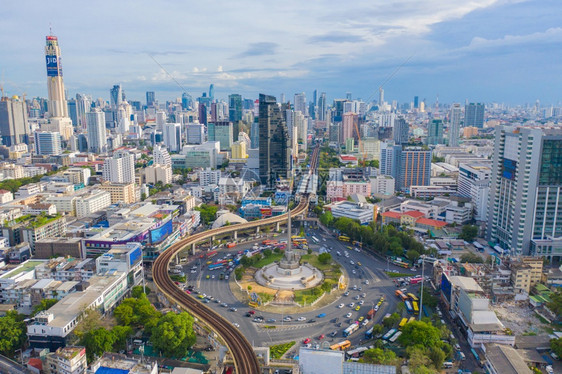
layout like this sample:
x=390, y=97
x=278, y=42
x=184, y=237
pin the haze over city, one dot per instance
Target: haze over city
x=485, y=50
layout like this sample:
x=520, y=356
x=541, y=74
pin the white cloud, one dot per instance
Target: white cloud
x=552, y=35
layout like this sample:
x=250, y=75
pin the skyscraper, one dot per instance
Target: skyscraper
x=58, y=107
x=221, y=131
x=47, y=143
x=234, y=108
x=474, y=115
x=202, y=113
x=454, y=125
x=212, y=92
x=186, y=101
x=120, y=168
x=401, y=131
x=13, y=121
x=97, y=137
x=300, y=103
x=83, y=106
x=416, y=102
x=150, y=98
x=274, y=152
x=525, y=208
x=116, y=96
x=381, y=98
x=171, y=136
x=322, y=107
x=416, y=168
x=435, y=132
x=390, y=160
x=350, y=126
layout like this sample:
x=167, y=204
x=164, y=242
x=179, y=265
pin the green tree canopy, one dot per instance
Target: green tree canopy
x=208, y=212
x=471, y=258
x=468, y=233
x=137, y=292
x=379, y=356
x=420, y=333
x=174, y=334
x=97, y=342
x=391, y=321
x=324, y=258
x=556, y=346
x=137, y=312
x=44, y=305
x=555, y=304
x=12, y=333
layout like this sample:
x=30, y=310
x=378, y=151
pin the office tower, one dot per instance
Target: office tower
x=282, y=98
x=13, y=121
x=387, y=120
x=116, y=96
x=322, y=107
x=381, y=98
x=474, y=182
x=334, y=133
x=435, y=132
x=214, y=117
x=221, y=132
x=349, y=126
x=454, y=125
x=234, y=108
x=171, y=136
x=202, y=113
x=474, y=115
x=120, y=168
x=57, y=106
x=239, y=151
x=186, y=101
x=160, y=119
x=338, y=109
x=401, y=131
x=348, y=96
x=525, y=204
x=315, y=97
x=312, y=110
x=416, y=102
x=72, y=111
x=47, y=143
x=161, y=156
x=83, y=105
x=212, y=92
x=300, y=103
x=195, y=133
x=150, y=98
x=274, y=152
x=97, y=137
x=255, y=134
x=390, y=160
x=415, y=169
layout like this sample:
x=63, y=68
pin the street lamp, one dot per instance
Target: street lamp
x=421, y=291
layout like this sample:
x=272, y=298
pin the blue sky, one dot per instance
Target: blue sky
x=507, y=51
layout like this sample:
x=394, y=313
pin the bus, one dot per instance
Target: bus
x=344, y=238
x=402, y=323
x=208, y=254
x=369, y=333
x=315, y=239
x=216, y=266
x=416, y=307
x=341, y=346
x=412, y=297
x=350, y=329
x=395, y=336
x=357, y=352
x=416, y=280
x=401, y=295
x=479, y=247
x=398, y=262
x=389, y=334
x=409, y=306
x=425, y=311
x=231, y=245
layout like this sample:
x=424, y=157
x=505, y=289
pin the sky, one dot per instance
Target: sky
x=505, y=51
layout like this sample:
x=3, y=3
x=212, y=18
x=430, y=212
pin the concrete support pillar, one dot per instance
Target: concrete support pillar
x=257, y=230
x=193, y=249
x=177, y=259
x=277, y=227
x=235, y=235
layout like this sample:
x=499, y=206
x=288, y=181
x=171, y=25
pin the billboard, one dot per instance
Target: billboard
x=53, y=66
x=161, y=233
x=135, y=256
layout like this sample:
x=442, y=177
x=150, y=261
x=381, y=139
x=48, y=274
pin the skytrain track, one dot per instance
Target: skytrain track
x=245, y=360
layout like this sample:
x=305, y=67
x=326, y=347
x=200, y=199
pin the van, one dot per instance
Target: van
x=447, y=365
x=462, y=357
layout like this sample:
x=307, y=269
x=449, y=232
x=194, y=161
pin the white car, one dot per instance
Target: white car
x=361, y=302
x=351, y=305
x=236, y=325
x=300, y=319
x=351, y=262
x=340, y=306
x=353, y=272
x=366, y=281
x=348, y=315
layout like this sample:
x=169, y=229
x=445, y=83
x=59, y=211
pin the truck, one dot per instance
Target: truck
x=351, y=329
x=371, y=314
x=231, y=245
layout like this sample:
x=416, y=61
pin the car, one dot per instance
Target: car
x=236, y=325
x=457, y=347
x=206, y=301
x=300, y=319
x=213, y=276
x=346, y=293
x=217, y=301
x=287, y=319
x=348, y=315
x=365, y=322
x=358, y=307
x=353, y=272
x=358, y=263
x=354, y=287
x=224, y=305
x=361, y=302
x=366, y=281
x=193, y=271
x=248, y=315
x=252, y=312
x=351, y=262
x=233, y=309
x=321, y=315
x=257, y=319
x=338, y=253
x=363, y=295
x=177, y=283
x=321, y=337
x=333, y=333
x=357, y=297
x=201, y=296
x=359, y=289
x=351, y=305
x=338, y=324
x=361, y=319
x=271, y=320
x=312, y=320
x=187, y=291
x=340, y=306
x=207, y=277
x=306, y=341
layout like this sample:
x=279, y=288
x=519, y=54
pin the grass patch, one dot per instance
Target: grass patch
x=265, y=297
x=308, y=296
x=177, y=278
x=312, y=259
x=277, y=351
x=268, y=260
x=269, y=327
x=397, y=275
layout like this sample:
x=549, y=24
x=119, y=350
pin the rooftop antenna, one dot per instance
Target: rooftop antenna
x=50, y=29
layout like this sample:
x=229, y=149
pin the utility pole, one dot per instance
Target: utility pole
x=421, y=291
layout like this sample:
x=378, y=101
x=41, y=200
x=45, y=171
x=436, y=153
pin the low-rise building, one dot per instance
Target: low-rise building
x=158, y=173
x=501, y=359
x=67, y=360
x=92, y=202
x=113, y=363
x=121, y=192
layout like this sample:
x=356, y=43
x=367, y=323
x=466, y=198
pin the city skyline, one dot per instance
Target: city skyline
x=488, y=50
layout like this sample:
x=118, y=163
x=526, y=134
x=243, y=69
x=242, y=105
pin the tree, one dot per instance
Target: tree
x=309, y=251
x=556, y=346
x=137, y=312
x=91, y=320
x=471, y=258
x=208, y=212
x=412, y=255
x=379, y=356
x=121, y=334
x=418, y=360
x=555, y=304
x=174, y=334
x=327, y=219
x=137, y=291
x=437, y=357
x=377, y=330
x=12, y=333
x=391, y=321
x=420, y=333
x=97, y=342
x=324, y=258
x=468, y=233
x=428, y=299
x=44, y=305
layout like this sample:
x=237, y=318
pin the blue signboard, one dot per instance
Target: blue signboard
x=135, y=256
x=52, y=66
x=161, y=233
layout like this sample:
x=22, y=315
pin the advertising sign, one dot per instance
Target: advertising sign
x=52, y=66
x=161, y=233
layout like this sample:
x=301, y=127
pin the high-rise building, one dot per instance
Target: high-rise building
x=171, y=136
x=120, y=168
x=474, y=182
x=416, y=168
x=212, y=92
x=150, y=98
x=59, y=120
x=474, y=115
x=300, y=103
x=202, y=113
x=161, y=156
x=322, y=107
x=401, y=131
x=97, y=137
x=416, y=102
x=186, y=101
x=435, y=132
x=255, y=135
x=349, y=126
x=390, y=160
x=13, y=121
x=47, y=143
x=83, y=106
x=72, y=111
x=195, y=133
x=234, y=108
x=116, y=96
x=222, y=132
x=454, y=125
x=525, y=208
x=381, y=97
x=274, y=151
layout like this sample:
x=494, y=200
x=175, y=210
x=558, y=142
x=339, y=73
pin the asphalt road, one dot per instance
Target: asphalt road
x=371, y=269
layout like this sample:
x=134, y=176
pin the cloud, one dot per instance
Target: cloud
x=259, y=49
x=552, y=35
x=336, y=38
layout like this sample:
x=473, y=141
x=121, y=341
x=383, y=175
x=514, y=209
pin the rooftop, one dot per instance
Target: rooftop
x=22, y=268
x=465, y=283
x=506, y=360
